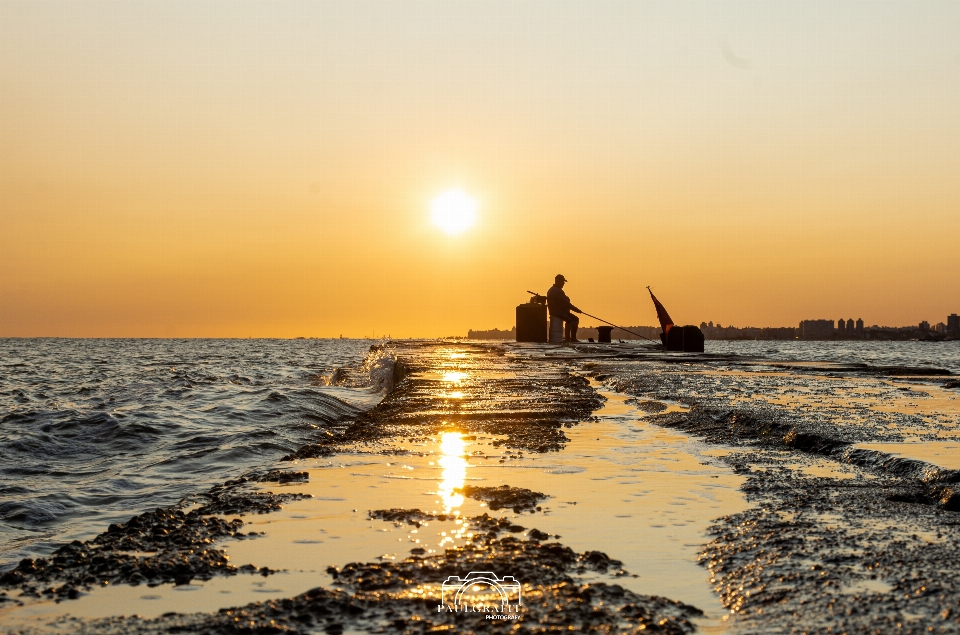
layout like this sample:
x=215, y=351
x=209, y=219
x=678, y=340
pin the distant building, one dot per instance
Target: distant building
x=860, y=327
x=940, y=328
x=720, y=332
x=924, y=326
x=841, y=327
x=953, y=323
x=816, y=330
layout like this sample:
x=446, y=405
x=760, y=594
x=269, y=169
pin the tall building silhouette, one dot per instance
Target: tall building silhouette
x=841, y=328
x=859, y=327
x=816, y=330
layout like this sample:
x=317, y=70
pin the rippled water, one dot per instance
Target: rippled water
x=93, y=431
x=944, y=355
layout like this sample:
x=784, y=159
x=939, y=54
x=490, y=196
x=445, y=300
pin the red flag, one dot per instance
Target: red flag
x=666, y=323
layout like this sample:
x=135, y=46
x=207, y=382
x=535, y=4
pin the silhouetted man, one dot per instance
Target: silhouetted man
x=561, y=307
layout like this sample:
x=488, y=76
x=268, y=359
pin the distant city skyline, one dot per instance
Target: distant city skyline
x=859, y=323
x=843, y=329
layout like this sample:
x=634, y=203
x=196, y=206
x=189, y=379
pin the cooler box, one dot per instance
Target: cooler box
x=531, y=322
x=688, y=339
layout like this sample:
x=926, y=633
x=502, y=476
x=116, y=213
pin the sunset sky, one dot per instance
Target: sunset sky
x=268, y=168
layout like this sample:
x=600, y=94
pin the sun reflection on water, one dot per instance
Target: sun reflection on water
x=454, y=464
x=453, y=379
x=454, y=376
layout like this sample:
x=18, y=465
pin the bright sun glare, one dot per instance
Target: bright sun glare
x=454, y=212
x=452, y=449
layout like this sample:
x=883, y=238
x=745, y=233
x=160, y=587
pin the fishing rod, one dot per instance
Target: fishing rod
x=618, y=327
x=537, y=295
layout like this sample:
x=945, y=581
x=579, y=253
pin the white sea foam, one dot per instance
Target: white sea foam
x=383, y=368
x=365, y=387
x=380, y=371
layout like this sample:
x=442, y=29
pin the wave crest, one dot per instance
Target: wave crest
x=380, y=371
x=383, y=368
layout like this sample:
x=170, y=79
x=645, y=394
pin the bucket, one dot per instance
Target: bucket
x=556, y=330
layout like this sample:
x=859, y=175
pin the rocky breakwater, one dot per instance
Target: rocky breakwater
x=174, y=544
x=404, y=597
x=839, y=538
x=528, y=402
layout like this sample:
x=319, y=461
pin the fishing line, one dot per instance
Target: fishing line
x=618, y=327
x=539, y=299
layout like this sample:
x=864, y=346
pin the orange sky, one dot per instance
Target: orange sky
x=267, y=169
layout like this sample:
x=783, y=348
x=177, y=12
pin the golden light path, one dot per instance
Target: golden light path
x=453, y=461
x=454, y=376
x=452, y=447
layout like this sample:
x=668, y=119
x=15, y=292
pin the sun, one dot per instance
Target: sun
x=454, y=212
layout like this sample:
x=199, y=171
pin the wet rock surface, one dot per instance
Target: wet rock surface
x=405, y=597
x=803, y=398
x=870, y=550
x=482, y=524
x=518, y=499
x=173, y=544
x=742, y=409
x=821, y=555
x=413, y=517
x=278, y=476
x=646, y=405
x=181, y=542
x=935, y=486
x=223, y=499
x=497, y=395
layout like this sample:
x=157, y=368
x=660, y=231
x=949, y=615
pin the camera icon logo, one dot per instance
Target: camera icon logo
x=481, y=587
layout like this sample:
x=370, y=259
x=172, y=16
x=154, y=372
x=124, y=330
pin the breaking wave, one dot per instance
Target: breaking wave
x=380, y=372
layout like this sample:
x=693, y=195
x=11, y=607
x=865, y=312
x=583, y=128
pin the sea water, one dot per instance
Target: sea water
x=944, y=355
x=94, y=431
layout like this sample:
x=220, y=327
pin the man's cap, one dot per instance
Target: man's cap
x=560, y=278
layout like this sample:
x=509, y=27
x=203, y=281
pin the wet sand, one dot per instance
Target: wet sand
x=624, y=492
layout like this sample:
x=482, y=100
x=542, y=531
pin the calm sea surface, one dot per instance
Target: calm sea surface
x=94, y=431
